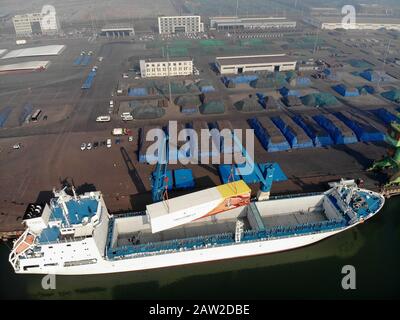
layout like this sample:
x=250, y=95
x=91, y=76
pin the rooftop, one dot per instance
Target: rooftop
x=278, y=58
x=372, y=20
x=171, y=59
x=77, y=210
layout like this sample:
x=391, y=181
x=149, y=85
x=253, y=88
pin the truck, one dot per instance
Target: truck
x=19, y=42
x=118, y=132
x=103, y=119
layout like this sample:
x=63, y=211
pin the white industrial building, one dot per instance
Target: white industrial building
x=35, y=23
x=177, y=24
x=242, y=64
x=361, y=23
x=164, y=68
x=237, y=23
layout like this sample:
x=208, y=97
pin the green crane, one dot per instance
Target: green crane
x=392, y=160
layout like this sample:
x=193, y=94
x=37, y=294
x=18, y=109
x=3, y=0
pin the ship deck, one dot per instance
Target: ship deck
x=203, y=228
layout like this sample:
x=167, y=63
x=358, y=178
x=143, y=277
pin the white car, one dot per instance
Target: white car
x=83, y=146
x=108, y=143
x=130, y=138
x=89, y=146
x=17, y=146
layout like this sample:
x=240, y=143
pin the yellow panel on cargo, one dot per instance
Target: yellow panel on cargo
x=233, y=188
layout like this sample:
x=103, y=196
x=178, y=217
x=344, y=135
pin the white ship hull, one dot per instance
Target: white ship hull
x=108, y=244
x=189, y=257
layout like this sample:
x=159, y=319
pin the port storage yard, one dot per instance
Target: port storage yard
x=71, y=96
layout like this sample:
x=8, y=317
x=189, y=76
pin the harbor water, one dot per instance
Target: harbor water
x=315, y=271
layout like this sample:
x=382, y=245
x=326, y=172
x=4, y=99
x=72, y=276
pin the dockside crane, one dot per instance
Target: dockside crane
x=159, y=175
x=265, y=176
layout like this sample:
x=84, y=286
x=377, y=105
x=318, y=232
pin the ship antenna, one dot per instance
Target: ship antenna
x=74, y=192
x=62, y=201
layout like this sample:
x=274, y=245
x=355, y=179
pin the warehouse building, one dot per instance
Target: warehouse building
x=180, y=24
x=242, y=64
x=159, y=67
x=35, y=23
x=117, y=31
x=237, y=23
x=362, y=23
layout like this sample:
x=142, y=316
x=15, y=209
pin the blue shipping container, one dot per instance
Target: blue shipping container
x=184, y=179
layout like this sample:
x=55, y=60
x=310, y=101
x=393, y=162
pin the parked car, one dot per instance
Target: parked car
x=95, y=145
x=108, y=143
x=83, y=146
x=89, y=146
x=17, y=146
x=130, y=139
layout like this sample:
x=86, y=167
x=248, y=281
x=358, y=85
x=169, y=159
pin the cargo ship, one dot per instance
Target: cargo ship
x=76, y=235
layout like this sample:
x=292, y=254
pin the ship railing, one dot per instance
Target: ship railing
x=174, y=245
x=297, y=195
x=129, y=214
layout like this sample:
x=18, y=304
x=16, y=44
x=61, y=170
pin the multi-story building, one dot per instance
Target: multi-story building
x=159, y=67
x=238, y=23
x=35, y=23
x=176, y=24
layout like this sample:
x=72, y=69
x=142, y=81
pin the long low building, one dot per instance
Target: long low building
x=117, y=31
x=159, y=67
x=29, y=66
x=361, y=23
x=242, y=64
x=239, y=23
x=52, y=50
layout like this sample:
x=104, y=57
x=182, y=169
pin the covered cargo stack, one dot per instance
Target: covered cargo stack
x=364, y=131
x=4, y=114
x=250, y=104
x=25, y=114
x=227, y=147
x=193, y=206
x=292, y=101
x=392, y=95
x=288, y=92
x=86, y=60
x=268, y=102
x=183, y=179
x=345, y=91
x=385, y=115
x=318, y=135
x=144, y=145
x=148, y=112
x=290, y=128
x=276, y=140
x=137, y=92
x=375, y=76
x=206, y=148
x=319, y=99
x=339, y=132
x=212, y=107
x=89, y=80
x=177, y=149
